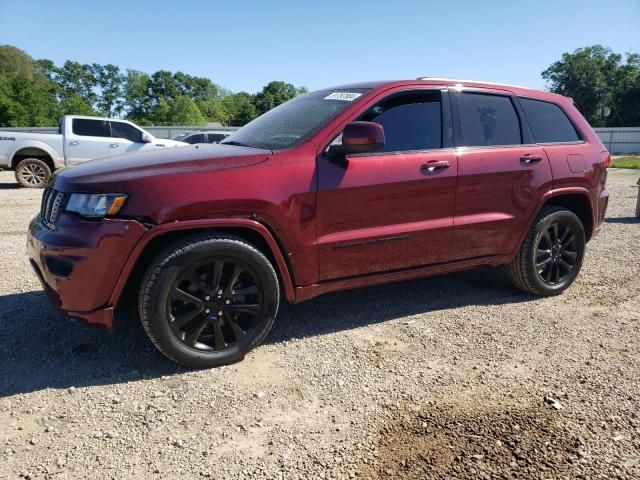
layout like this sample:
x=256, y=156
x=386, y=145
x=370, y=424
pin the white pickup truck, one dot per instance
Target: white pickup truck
x=34, y=156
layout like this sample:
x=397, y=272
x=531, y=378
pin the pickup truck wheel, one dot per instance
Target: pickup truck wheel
x=208, y=300
x=32, y=173
x=551, y=254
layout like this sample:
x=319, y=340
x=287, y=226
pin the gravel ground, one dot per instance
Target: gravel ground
x=454, y=376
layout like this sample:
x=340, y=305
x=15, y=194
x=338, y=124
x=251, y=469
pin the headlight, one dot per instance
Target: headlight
x=95, y=205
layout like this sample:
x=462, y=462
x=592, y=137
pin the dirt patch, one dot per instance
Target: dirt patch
x=451, y=441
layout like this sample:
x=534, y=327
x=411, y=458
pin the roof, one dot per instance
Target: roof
x=451, y=82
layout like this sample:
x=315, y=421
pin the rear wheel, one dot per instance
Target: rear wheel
x=207, y=301
x=551, y=254
x=32, y=173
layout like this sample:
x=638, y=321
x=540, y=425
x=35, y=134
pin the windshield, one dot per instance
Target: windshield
x=294, y=120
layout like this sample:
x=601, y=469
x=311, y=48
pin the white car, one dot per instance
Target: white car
x=34, y=156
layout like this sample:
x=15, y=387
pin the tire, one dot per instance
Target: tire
x=534, y=267
x=196, y=277
x=32, y=173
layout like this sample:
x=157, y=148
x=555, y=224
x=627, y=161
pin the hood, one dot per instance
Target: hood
x=106, y=174
x=169, y=143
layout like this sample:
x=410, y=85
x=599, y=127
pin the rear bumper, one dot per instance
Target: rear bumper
x=602, y=202
x=79, y=264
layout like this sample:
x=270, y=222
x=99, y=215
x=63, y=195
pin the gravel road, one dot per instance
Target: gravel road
x=454, y=376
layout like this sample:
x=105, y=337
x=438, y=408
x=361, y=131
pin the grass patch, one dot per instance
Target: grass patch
x=626, y=162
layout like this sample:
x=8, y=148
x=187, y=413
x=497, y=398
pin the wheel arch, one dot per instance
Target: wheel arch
x=33, y=151
x=157, y=239
x=575, y=199
x=578, y=203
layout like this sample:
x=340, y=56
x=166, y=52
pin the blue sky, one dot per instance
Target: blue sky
x=242, y=45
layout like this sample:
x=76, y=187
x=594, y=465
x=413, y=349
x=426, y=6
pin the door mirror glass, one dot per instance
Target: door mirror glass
x=360, y=137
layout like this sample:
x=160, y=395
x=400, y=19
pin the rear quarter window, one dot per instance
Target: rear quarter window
x=548, y=122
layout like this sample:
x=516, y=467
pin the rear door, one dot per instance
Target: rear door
x=501, y=173
x=88, y=138
x=393, y=209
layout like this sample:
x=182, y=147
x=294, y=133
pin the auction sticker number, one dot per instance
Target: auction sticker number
x=344, y=96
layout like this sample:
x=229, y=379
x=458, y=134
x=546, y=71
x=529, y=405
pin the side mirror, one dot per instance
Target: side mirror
x=146, y=138
x=361, y=137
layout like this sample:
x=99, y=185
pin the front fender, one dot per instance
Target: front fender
x=220, y=224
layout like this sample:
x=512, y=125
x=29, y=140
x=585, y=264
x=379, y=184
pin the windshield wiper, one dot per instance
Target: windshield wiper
x=237, y=144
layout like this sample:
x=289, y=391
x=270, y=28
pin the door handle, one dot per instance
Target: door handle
x=433, y=165
x=529, y=159
x=74, y=143
x=114, y=145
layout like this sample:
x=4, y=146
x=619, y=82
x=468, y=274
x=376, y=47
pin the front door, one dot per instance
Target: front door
x=390, y=210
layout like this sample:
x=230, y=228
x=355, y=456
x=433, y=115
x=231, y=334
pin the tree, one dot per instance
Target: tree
x=214, y=110
x=184, y=111
x=110, y=81
x=240, y=108
x=275, y=93
x=596, y=78
x=36, y=93
x=77, y=80
x=137, y=97
x=27, y=95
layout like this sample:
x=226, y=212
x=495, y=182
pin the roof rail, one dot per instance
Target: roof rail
x=459, y=80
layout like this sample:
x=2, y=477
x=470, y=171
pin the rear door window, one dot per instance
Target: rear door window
x=90, y=128
x=487, y=120
x=548, y=122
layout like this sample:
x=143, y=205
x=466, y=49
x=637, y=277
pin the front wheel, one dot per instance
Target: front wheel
x=551, y=254
x=32, y=173
x=208, y=300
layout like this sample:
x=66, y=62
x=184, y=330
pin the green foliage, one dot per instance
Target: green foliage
x=631, y=161
x=597, y=78
x=273, y=94
x=240, y=108
x=37, y=92
x=26, y=93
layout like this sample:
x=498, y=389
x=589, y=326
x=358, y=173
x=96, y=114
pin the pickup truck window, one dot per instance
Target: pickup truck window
x=90, y=128
x=124, y=130
x=216, y=137
x=295, y=120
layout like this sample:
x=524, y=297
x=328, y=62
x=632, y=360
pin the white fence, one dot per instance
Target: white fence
x=618, y=140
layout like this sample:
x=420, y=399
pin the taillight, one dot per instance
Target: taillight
x=607, y=158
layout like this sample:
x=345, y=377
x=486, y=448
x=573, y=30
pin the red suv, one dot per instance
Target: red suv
x=341, y=188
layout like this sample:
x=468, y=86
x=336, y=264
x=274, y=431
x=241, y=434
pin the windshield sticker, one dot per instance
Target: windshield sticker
x=344, y=96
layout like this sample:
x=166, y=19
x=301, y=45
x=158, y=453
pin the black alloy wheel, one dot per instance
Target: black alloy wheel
x=215, y=304
x=209, y=299
x=557, y=253
x=551, y=254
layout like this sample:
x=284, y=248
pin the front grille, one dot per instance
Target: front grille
x=52, y=203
